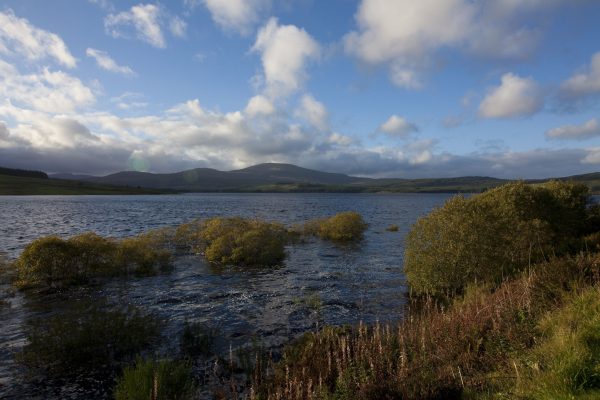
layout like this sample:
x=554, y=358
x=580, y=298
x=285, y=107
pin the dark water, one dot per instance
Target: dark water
x=353, y=283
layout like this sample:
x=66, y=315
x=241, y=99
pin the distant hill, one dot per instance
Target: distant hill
x=71, y=177
x=23, y=172
x=212, y=180
x=25, y=185
x=275, y=177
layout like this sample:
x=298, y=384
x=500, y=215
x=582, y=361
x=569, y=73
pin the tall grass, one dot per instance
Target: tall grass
x=156, y=380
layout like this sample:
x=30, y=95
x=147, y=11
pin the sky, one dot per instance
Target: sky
x=380, y=88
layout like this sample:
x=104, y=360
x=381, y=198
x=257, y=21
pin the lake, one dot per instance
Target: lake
x=361, y=282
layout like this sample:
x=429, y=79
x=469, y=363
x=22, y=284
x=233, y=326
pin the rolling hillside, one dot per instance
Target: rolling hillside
x=269, y=177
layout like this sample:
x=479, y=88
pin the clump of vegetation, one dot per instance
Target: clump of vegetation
x=87, y=338
x=157, y=380
x=141, y=255
x=486, y=335
x=243, y=242
x=312, y=301
x=343, y=227
x=392, y=228
x=493, y=235
x=187, y=235
x=53, y=262
x=197, y=340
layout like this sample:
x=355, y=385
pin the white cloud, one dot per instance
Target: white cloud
x=587, y=130
x=405, y=34
x=104, y=61
x=584, y=83
x=177, y=26
x=341, y=140
x=515, y=97
x=17, y=35
x=143, y=18
x=48, y=91
x=129, y=100
x=314, y=112
x=285, y=50
x=398, y=126
x=188, y=136
x=234, y=15
x=258, y=105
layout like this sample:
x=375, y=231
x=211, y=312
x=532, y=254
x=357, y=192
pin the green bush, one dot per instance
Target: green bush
x=86, y=338
x=157, y=380
x=342, y=227
x=53, y=262
x=490, y=236
x=243, y=242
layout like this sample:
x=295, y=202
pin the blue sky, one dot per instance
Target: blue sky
x=389, y=88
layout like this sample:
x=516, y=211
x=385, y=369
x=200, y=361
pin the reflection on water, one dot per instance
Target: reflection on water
x=351, y=283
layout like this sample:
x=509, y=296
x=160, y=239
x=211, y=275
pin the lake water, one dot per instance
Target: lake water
x=362, y=282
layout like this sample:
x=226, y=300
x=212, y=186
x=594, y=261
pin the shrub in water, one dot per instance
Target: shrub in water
x=392, y=228
x=243, y=242
x=157, y=380
x=492, y=235
x=53, y=262
x=56, y=263
x=86, y=338
x=141, y=255
x=342, y=227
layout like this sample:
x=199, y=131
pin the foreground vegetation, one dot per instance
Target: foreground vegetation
x=503, y=322
x=157, y=380
x=505, y=303
x=535, y=336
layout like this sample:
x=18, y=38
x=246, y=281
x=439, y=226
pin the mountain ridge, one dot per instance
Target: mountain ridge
x=281, y=177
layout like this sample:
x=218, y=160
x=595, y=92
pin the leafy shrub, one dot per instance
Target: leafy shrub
x=56, y=263
x=490, y=236
x=243, y=242
x=87, y=337
x=159, y=380
x=342, y=227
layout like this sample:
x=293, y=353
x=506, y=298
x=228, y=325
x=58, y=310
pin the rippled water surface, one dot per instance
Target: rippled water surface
x=353, y=283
